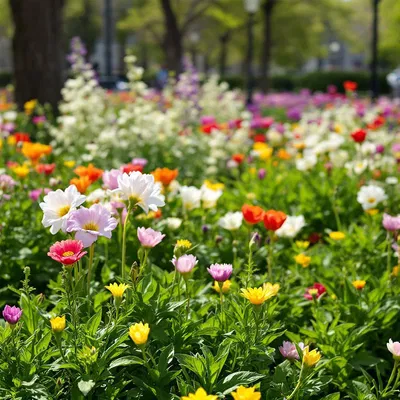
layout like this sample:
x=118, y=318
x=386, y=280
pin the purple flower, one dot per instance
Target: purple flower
x=380, y=148
x=289, y=351
x=12, y=314
x=185, y=264
x=140, y=162
x=35, y=193
x=110, y=178
x=261, y=173
x=391, y=223
x=149, y=237
x=90, y=223
x=220, y=272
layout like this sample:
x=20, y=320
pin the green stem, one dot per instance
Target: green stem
x=297, y=388
x=392, y=375
x=389, y=246
x=188, y=298
x=123, y=257
x=221, y=300
x=270, y=255
x=89, y=274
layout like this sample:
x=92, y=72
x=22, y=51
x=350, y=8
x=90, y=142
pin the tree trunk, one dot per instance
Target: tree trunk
x=268, y=7
x=37, y=50
x=224, y=40
x=173, y=38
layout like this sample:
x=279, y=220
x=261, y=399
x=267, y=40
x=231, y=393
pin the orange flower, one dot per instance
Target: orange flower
x=350, y=86
x=239, y=157
x=165, y=175
x=252, y=214
x=91, y=172
x=273, y=220
x=81, y=183
x=283, y=154
x=34, y=151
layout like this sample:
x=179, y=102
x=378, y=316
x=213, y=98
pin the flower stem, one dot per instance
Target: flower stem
x=124, y=242
x=89, y=275
x=388, y=253
x=297, y=388
x=188, y=298
x=392, y=375
x=270, y=255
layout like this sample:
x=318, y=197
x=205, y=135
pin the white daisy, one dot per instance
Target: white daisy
x=370, y=196
x=291, y=227
x=191, y=197
x=231, y=221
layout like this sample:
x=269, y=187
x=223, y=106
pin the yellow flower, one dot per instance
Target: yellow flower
x=243, y=393
x=214, y=186
x=333, y=297
x=310, y=358
x=372, y=211
x=183, y=243
x=337, y=235
x=303, y=260
x=11, y=140
x=117, y=290
x=260, y=146
x=251, y=196
x=200, y=394
x=139, y=333
x=69, y=163
x=30, y=105
x=21, y=170
x=252, y=171
x=302, y=244
x=266, y=154
x=259, y=295
x=359, y=285
x=395, y=271
x=225, y=286
x=57, y=324
x=313, y=292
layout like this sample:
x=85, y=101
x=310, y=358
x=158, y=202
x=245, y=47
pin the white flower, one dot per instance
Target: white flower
x=97, y=196
x=291, y=227
x=231, y=221
x=210, y=197
x=58, y=205
x=10, y=115
x=191, y=197
x=370, y=196
x=392, y=180
x=141, y=190
x=306, y=163
x=173, y=223
x=358, y=167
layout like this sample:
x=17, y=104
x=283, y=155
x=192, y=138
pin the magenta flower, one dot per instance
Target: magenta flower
x=220, y=272
x=393, y=347
x=149, y=237
x=90, y=223
x=316, y=290
x=289, y=351
x=12, y=314
x=140, y=162
x=39, y=119
x=110, y=178
x=391, y=223
x=35, y=194
x=185, y=264
x=67, y=252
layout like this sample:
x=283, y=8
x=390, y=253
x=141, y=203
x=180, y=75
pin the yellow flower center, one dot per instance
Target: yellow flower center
x=371, y=200
x=68, y=253
x=313, y=292
x=91, y=226
x=64, y=210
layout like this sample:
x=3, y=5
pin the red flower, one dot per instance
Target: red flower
x=239, y=158
x=67, y=252
x=260, y=138
x=377, y=123
x=46, y=169
x=127, y=168
x=350, y=86
x=208, y=128
x=21, y=137
x=252, y=214
x=317, y=290
x=273, y=220
x=359, y=135
x=314, y=237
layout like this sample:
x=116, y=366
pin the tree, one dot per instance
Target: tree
x=37, y=50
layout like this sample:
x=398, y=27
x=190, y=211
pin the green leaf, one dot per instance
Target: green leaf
x=166, y=358
x=86, y=386
x=233, y=381
x=128, y=360
x=333, y=396
x=94, y=323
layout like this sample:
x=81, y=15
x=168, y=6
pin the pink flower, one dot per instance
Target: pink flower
x=110, y=178
x=391, y=223
x=316, y=290
x=90, y=223
x=394, y=348
x=185, y=264
x=289, y=351
x=140, y=162
x=149, y=237
x=12, y=314
x=220, y=272
x=67, y=252
x=6, y=182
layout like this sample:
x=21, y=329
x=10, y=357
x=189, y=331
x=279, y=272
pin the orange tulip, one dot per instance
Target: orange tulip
x=81, y=183
x=91, y=172
x=165, y=175
x=273, y=220
x=252, y=214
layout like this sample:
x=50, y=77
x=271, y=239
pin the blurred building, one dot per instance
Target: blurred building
x=5, y=54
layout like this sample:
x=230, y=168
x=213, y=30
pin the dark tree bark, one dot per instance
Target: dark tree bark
x=268, y=7
x=224, y=40
x=37, y=50
x=173, y=38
